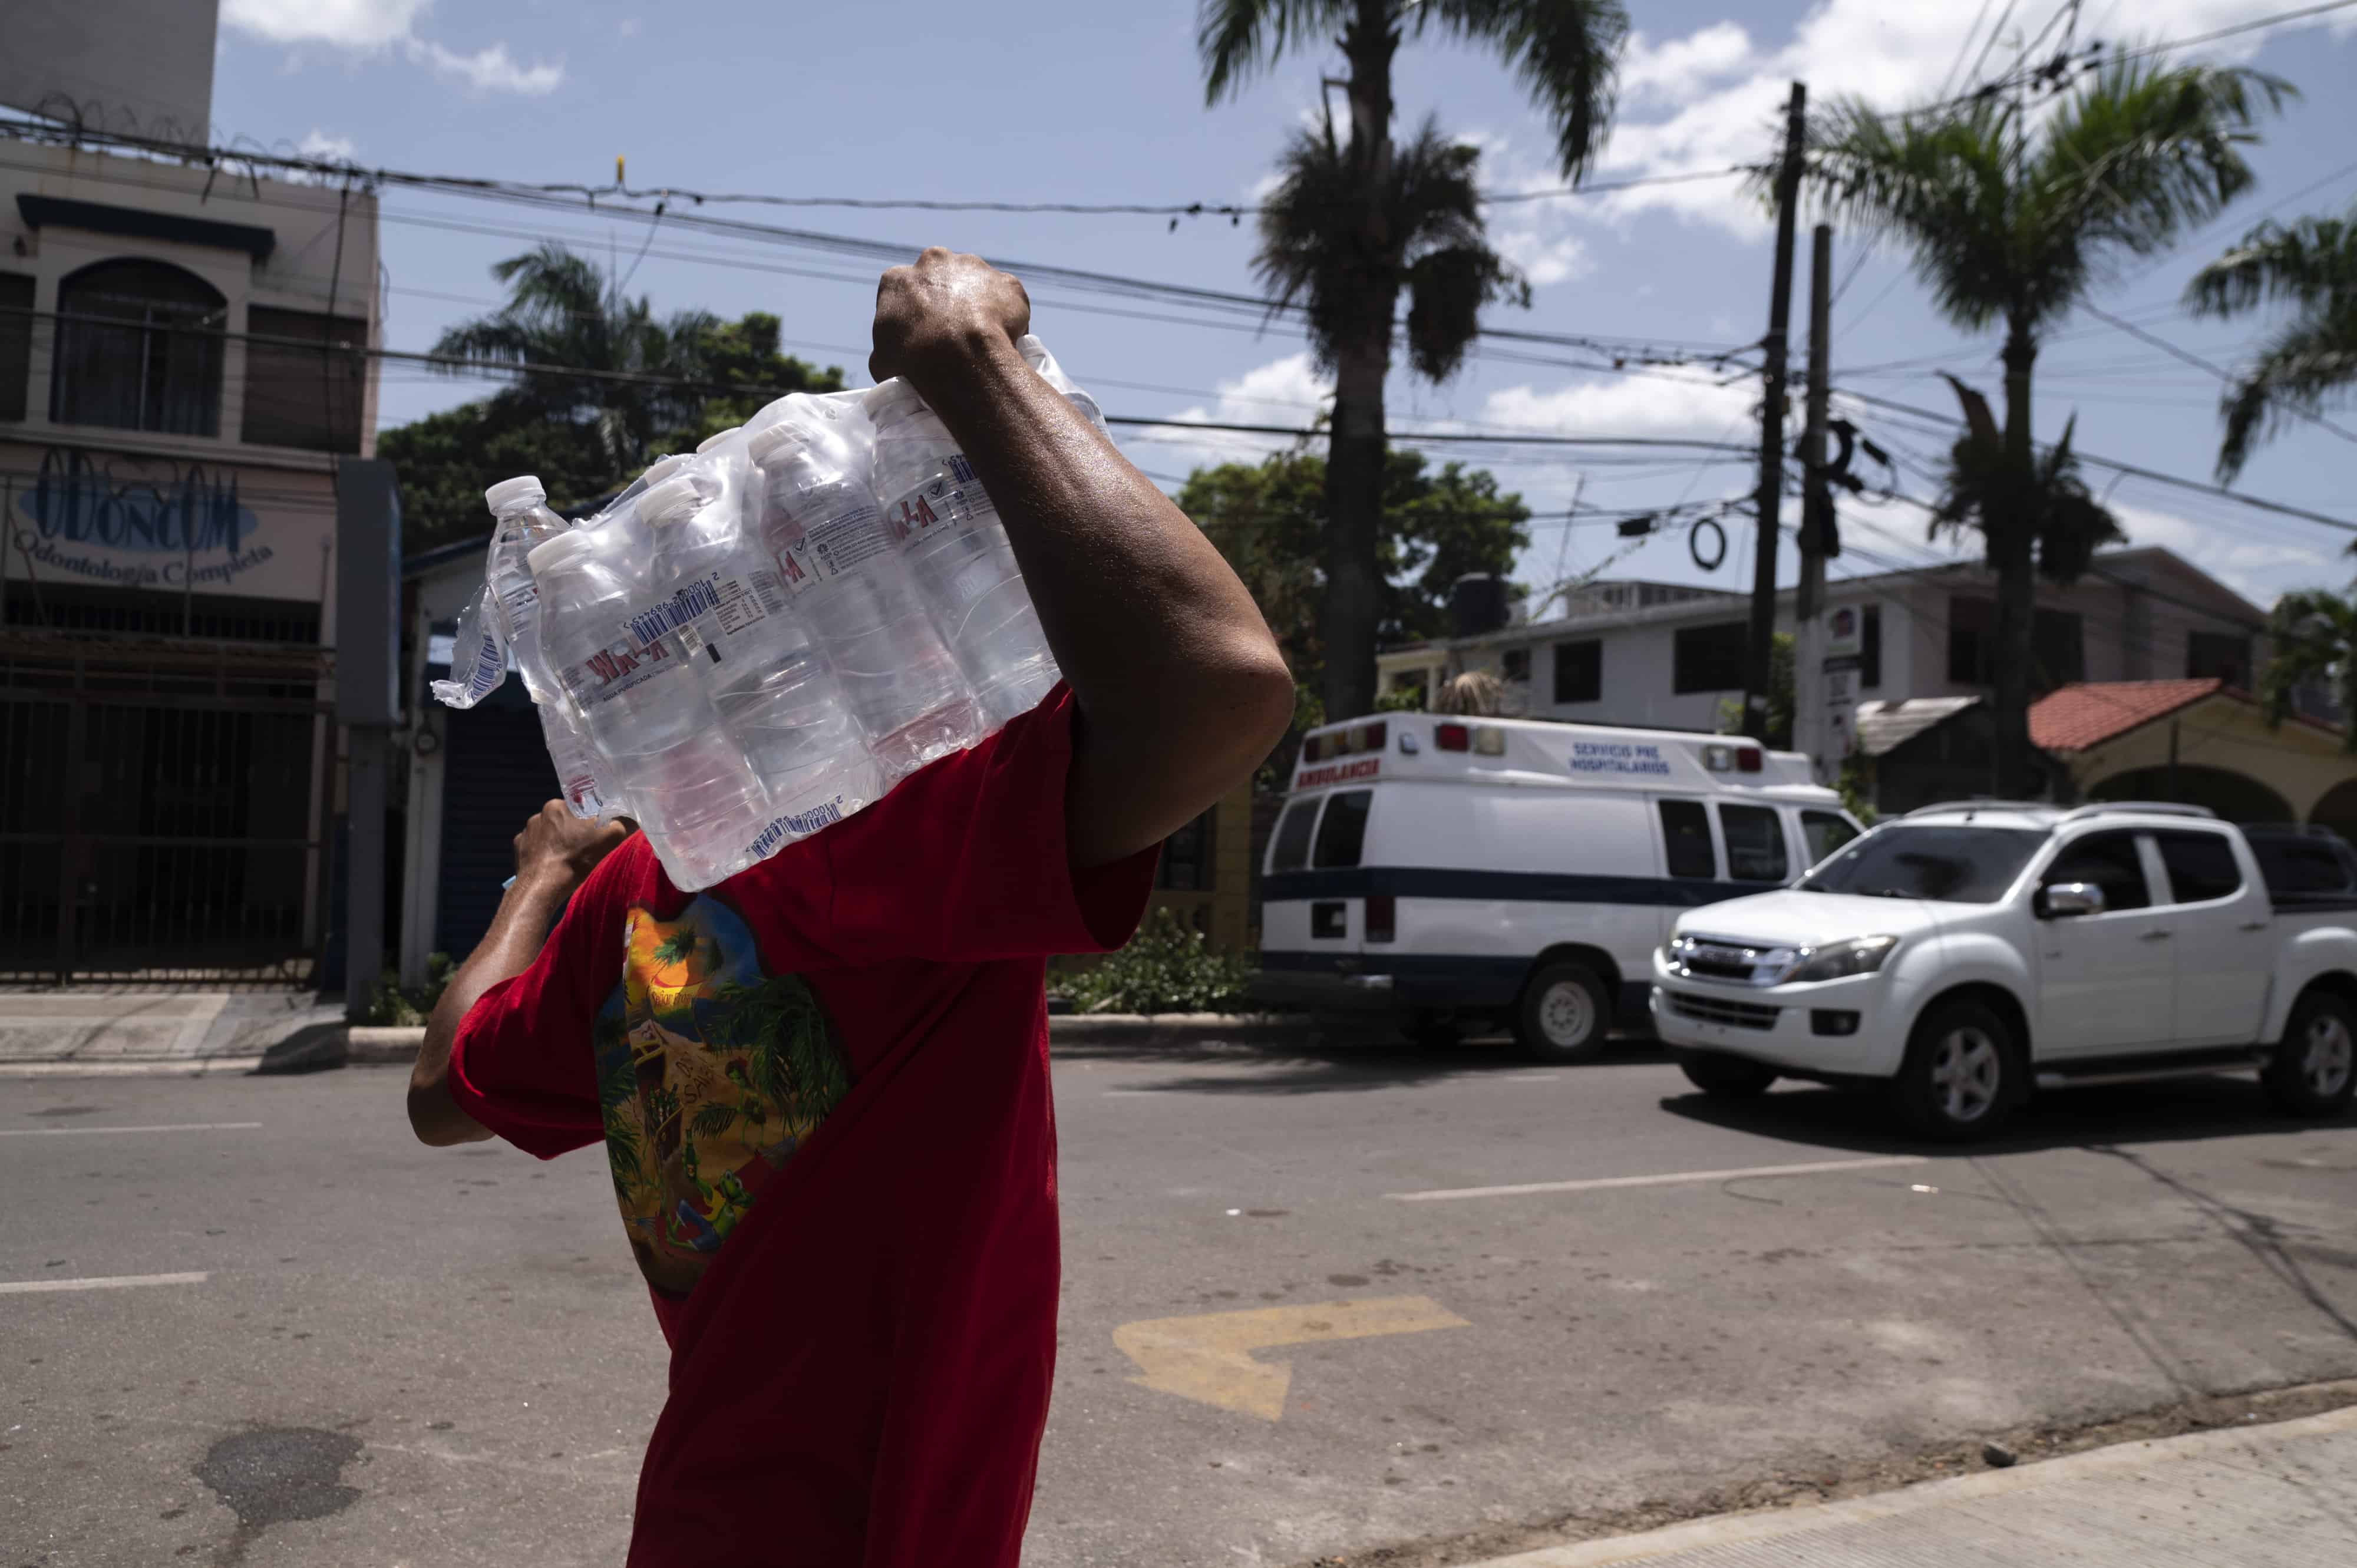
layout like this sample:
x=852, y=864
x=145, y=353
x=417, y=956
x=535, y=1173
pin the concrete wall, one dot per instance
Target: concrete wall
x=2302, y=762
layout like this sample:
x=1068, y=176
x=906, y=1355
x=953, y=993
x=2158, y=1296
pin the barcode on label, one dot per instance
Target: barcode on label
x=959, y=469
x=652, y=626
x=489, y=667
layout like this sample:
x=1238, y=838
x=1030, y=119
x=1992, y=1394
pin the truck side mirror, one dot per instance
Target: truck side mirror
x=2067, y=900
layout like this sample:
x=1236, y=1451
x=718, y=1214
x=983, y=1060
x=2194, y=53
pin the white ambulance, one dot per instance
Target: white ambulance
x=1463, y=869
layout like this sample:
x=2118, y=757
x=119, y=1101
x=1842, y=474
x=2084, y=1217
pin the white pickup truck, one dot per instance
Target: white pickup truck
x=1965, y=955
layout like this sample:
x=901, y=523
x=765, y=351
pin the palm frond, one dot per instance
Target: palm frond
x=2145, y=152
x=2311, y=264
x=1566, y=52
x=1236, y=40
x=1938, y=186
x=2308, y=366
x=1985, y=490
x=2313, y=637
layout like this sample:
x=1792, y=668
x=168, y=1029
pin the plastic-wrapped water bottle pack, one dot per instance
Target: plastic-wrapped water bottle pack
x=755, y=641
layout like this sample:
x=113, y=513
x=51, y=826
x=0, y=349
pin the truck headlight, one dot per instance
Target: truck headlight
x=1839, y=960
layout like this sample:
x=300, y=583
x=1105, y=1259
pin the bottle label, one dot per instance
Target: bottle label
x=521, y=601
x=720, y=604
x=825, y=551
x=953, y=498
x=616, y=669
x=796, y=824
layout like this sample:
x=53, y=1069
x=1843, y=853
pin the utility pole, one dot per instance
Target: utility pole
x=1820, y=722
x=1761, y=646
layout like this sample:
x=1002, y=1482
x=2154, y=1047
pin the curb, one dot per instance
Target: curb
x=180, y=1067
x=1161, y=1028
x=1736, y=1530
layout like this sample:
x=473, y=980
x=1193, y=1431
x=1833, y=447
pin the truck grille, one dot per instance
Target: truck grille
x=1714, y=1010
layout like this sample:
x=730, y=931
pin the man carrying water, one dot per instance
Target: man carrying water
x=823, y=1084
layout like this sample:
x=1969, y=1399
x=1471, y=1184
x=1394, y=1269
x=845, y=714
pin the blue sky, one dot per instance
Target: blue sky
x=1056, y=100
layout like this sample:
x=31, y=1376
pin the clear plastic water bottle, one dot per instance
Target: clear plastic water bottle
x=957, y=552
x=769, y=683
x=1035, y=354
x=818, y=521
x=522, y=523
x=664, y=743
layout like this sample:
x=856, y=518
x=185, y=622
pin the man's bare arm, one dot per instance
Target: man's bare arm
x=555, y=854
x=1182, y=690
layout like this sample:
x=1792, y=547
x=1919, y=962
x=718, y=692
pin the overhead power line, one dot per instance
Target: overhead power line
x=2114, y=464
x=2199, y=364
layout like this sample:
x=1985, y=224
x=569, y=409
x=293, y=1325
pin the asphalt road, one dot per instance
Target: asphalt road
x=281, y=1333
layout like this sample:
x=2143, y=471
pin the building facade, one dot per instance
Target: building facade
x=1670, y=657
x=183, y=360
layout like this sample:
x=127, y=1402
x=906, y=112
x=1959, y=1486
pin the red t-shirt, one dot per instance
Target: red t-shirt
x=823, y=1088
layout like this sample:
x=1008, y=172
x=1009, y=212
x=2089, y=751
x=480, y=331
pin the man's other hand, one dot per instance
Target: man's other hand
x=558, y=847
x=941, y=312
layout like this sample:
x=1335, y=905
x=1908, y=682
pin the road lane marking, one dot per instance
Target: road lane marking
x=167, y=1127
x=112, y=1282
x=1208, y=1358
x=1596, y=1183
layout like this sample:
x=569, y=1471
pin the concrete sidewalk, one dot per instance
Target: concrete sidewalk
x=2283, y=1495
x=136, y=1029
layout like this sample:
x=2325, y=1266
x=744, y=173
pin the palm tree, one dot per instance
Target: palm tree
x=561, y=310
x=2010, y=223
x=2314, y=634
x=2313, y=358
x=1359, y=223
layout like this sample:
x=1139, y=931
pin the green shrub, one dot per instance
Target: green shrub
x=1167, y=966
x=390, y=1004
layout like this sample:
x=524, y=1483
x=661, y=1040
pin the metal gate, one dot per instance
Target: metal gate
x=161, y=810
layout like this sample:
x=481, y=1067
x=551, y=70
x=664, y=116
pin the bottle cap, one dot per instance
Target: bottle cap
x=670, y=501
x=525, y=489
x=662, y=469
x=892, y=400
x=709, y=442
x=765, y=443
x=557, y=551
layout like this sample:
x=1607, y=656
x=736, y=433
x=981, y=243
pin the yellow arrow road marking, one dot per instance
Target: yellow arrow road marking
x=1209, y=1357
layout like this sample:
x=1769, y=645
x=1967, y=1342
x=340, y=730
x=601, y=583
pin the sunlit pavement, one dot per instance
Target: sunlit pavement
x=1316, y=1300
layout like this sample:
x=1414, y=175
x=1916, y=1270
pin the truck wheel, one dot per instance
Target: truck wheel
x=1723, y=1076
x=1564, y=1014
x=2314, y=1071
x=1962, y=1077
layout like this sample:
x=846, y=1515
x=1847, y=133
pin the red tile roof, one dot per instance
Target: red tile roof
x=2077, y=717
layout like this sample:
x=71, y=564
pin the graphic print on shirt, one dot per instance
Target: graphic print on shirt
x=710, y=1074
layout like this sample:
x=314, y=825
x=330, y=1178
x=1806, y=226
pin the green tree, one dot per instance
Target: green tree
x=664, y=384
x=2009, y=223
x=2309, y=362
x=2313, y=638
x=1269, y=519
x=1358, y=222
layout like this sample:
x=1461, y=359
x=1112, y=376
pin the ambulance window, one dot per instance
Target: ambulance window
x=1292, y=852
x=1755, y=842
x=1826, y=832
x=1343, y=833
x=1685, y=840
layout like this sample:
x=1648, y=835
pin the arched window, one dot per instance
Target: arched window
x=138, y=348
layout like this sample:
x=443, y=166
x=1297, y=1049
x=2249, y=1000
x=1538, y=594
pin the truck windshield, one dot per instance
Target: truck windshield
x=1955, y=864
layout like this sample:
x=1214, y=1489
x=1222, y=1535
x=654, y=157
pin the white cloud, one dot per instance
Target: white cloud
x=1675, y=68
x=1644, y=405
x=2258, y=567
x=1543, y=259
x=345, y=24
x=326, y=148
x=1291, y=391
x=630, y=28
x=375, y=26
x=1724, y=104
x=489, y=69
